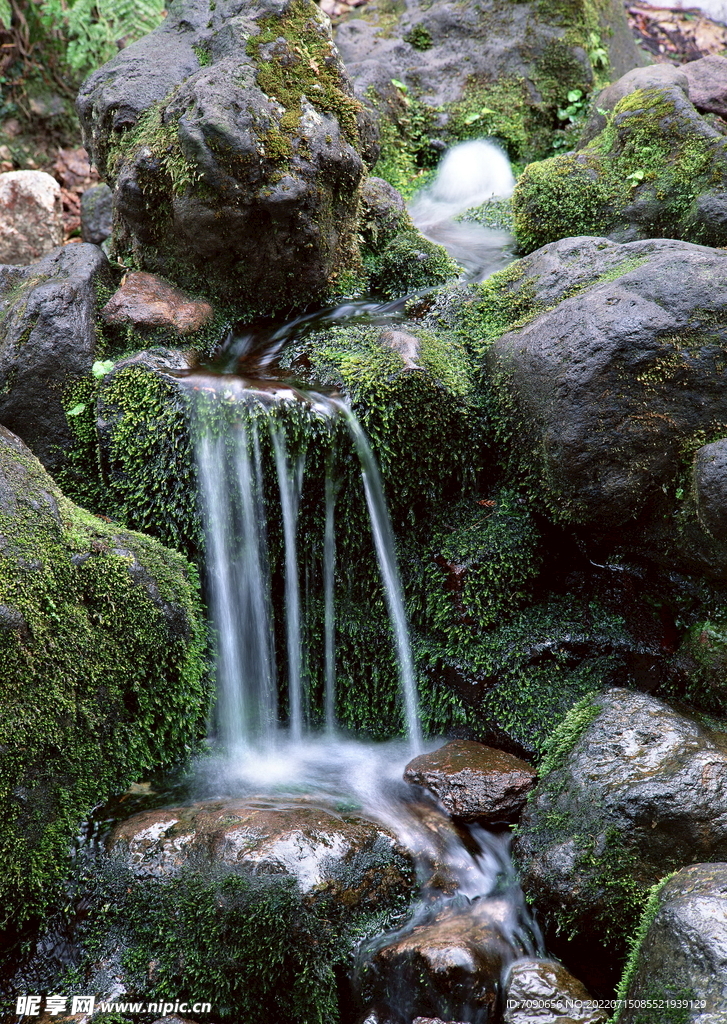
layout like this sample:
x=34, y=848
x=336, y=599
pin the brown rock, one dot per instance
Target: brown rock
x=543, y=992
x=708, y=84
x=31, y=221
x=351, y=858
x=144, y=300
x=474, y=782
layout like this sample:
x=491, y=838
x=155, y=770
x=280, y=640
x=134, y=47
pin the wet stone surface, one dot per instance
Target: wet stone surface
x=145, y=300
x=544, y=992
x=474, y=782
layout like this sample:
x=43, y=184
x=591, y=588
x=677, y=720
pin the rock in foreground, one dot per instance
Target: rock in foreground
x=31, y=216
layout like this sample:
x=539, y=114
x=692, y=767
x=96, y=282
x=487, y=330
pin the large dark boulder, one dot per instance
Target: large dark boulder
x=235, y=148
x=681, y=951
x=631, y=790
x=48, y=340
x=102, y=647
x=603, y=364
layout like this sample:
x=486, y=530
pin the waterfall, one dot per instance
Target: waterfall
x=239, y=581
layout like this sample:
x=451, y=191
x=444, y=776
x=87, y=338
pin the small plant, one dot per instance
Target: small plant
x=575, y=110
x=420, y=38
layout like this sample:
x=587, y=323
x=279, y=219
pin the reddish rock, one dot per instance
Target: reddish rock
x=474, y=782
x=708, y=84
x=144, y=300
x=31, y=216
x=543, y=992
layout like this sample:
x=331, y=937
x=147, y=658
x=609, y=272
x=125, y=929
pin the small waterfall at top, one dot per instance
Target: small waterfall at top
x=470, y=175
x=230, y=462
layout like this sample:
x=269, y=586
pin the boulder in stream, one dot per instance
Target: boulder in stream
x=102, y=646
x=630, y=790
x=543, y=992
x=235, y=148
x=474, y=782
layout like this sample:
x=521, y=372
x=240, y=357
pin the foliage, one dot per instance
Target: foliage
x=567, y=734
x=409, y=263
x=95, y=29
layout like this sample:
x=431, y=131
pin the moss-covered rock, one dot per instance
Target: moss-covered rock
x=103, y=649
x=235, y=148
x=656, y=170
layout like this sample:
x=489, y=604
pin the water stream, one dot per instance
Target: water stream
x=266, y=748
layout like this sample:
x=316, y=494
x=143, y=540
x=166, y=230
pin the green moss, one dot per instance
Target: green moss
x=567, y=734
x=648, y=167
x=409, y=263
x=419, y=37
x=103, y=674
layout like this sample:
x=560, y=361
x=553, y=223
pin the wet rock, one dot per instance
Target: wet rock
x=144, y=300
x=48, y=340
x=447, y=967
x=608, y=188
x=613, y=341
x=235, y=149
x=96, y=214
x=634, y=790
x=708, y=84
x=474, y=782
x=31, y=216
x=683, y=955
x=352, y=859
x=710, y=487
x=543, y=992
x=383, y=213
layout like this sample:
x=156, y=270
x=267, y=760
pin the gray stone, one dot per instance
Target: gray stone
x=48, y=339
x=31, y=216
x=710, y=487
x=642, y=790
x=683, y=955
x=708, y=83
x=96, y=214
x=655, y=76
x=383, y=213
x=474, y=782
x=235, y=149
x=543, y=992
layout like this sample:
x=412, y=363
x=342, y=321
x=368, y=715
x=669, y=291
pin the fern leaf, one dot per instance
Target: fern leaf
x=6, y=13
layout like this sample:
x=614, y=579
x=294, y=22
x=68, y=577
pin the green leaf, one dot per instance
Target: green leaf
x=574, y=95
x=6, y=13
x=399, y=85
x=471, y=118
x=100, y=369
x=76, y=410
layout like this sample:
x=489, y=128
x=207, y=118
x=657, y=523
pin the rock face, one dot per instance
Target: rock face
x=657, y=169
x=635, y=789
x=683, y=955
x=96, y=214
x=102, y=646
x=48, y=340
x=543, y=992
x=474, y=782
x=707, y=80
x=449, y=966
x=144, y=300
x=235, y=148
x=31, y=216
x=610, y=379
x=357, y=862
x=710, y=487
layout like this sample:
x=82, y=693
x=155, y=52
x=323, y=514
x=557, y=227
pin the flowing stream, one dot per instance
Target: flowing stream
x=266, y=748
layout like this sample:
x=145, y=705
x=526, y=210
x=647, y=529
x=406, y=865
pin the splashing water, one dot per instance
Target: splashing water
x=471, y=174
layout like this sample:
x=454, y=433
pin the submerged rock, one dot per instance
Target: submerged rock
x=449, y=965
x=102, y=645
x=631, y=790
x=235, y=148
x=350, y=859
x=31, y=216
x=682, y=953
x=48, y=341
x=543, y=992
x=474, y=782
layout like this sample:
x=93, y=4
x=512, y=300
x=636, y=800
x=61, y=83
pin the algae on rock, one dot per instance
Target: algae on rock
x=103, y=646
